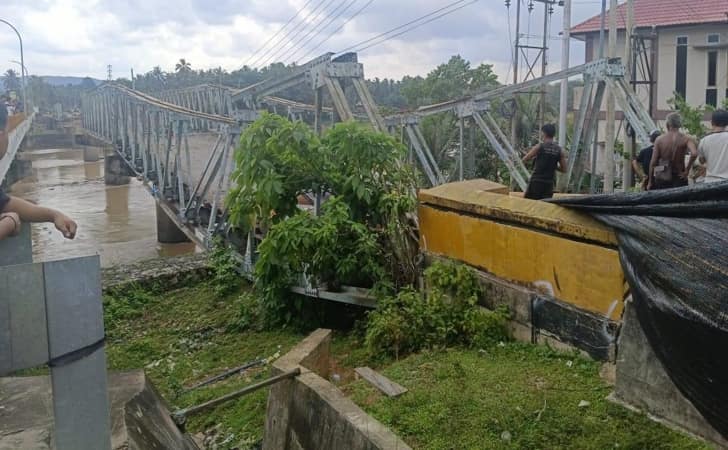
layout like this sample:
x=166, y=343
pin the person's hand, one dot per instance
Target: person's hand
x=15, y=219
x=683, y=175
x=65, y=225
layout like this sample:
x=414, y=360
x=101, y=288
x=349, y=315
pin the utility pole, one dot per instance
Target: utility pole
x=133, y=82
x=22, y=63
x=108, y=73
x=609, y=147
x=517, y=56
x=565, y=48
x=629, y=141
x=595, y=146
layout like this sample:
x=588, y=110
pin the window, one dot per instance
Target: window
x=712, y=68
x=711, y=97
x=681, y=66
x=713, y=39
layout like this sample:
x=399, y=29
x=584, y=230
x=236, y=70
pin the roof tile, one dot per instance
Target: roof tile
x=661, y=13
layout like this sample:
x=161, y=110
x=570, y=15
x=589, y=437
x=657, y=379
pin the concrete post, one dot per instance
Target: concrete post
x=167, y=230
x=609, y=138
x=115, y=170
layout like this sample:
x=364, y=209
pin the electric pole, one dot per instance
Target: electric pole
x=609, y=147
x=565, y=50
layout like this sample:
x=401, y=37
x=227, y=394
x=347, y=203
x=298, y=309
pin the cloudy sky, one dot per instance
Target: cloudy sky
x=81, y=37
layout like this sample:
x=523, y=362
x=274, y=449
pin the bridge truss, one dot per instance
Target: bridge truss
x=598, y=75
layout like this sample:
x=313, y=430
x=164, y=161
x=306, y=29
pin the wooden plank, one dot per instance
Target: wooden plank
x=379, y=381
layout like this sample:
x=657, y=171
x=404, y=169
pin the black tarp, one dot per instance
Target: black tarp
x=673, y=247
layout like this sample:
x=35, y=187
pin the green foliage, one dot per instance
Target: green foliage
x=126, y=303
x=516, y=396
x=276, y=161
x=331, y=249
x=226, y=278
x=364, y=235
x=692, y=116
x=448, y=314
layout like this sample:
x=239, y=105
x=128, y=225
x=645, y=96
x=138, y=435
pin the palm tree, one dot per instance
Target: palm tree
x=12, y=83
x=183, y=66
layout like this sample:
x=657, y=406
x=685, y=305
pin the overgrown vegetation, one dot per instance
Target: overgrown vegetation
x=447, y=314
x=363, y=236
x=187, y=335
x=511, y=396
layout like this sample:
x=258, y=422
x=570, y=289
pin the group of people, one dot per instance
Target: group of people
x=14, y=210
x=662, y=165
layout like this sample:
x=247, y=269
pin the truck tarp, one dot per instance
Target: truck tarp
x=673, y=247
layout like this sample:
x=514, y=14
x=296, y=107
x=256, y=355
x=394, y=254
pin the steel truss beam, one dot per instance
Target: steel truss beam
x=597, y=76
x=151, y=135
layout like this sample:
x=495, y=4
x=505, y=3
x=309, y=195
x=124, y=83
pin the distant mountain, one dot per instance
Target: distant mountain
x=65, y=81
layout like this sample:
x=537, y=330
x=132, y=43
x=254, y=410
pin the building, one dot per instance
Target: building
x=683, y=44
x=689, y=48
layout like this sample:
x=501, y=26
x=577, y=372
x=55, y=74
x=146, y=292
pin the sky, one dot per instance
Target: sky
x=83, y=37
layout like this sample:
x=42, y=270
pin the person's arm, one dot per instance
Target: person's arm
x=29, y=212
x=653, y=163
x=9, y=225
x=693, y=157
x=562, y=162
x=637, y=168
x=701, y=152
x=532, y=153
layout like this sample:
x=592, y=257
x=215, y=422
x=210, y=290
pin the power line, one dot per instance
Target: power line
x=378, y=39
x=283, y=39
x=277, y=33
x=401, y=26
x=338, y=29
x=332, y=18
x=292, y=39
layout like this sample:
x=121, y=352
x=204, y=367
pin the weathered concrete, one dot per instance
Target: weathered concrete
x=140, y=418
x=91, y=154
x=116, y=172
x=49, y=139
x=167, y=231
x=171, y=272
x=643, y=384
x=309, y=413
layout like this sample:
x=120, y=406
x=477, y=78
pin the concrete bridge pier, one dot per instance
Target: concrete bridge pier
x=116, y=173
x=91, y=154
x=167, y=230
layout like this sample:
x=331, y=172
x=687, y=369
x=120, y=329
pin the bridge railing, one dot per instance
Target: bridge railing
x=15, y=139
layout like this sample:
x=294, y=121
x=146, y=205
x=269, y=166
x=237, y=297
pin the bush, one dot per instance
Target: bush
x=447, y=314
x=226, y=278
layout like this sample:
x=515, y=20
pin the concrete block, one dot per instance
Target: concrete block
x=140, y=417
x=309, y=413
x=642, y=383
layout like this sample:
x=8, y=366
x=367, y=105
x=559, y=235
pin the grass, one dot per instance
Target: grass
x=515, y=396
x=187, y=335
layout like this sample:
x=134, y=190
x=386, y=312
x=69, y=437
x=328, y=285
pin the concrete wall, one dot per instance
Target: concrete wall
x=309, y=413
x=643, y=384
x=566, y=254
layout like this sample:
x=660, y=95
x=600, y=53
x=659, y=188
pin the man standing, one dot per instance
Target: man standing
x=667, y=167
x=13, y=210
x=713, y=149
x=549, y=157
x=641, y=162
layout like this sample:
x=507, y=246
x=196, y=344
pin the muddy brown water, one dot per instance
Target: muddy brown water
x=116, y=222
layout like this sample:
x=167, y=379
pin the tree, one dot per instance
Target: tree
x=183, y=66
x=12, y=82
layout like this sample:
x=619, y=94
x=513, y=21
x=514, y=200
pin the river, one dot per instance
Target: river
x=116, y=222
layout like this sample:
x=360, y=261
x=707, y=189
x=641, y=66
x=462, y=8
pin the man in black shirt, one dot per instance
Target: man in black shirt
x=549, y=157
x=641, y=162
x=13, y=210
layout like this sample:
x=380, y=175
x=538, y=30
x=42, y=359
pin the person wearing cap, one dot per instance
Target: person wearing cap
x=641, y=161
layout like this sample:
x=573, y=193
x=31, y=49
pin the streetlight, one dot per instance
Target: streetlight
x=22, y=63
x=24, y=71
